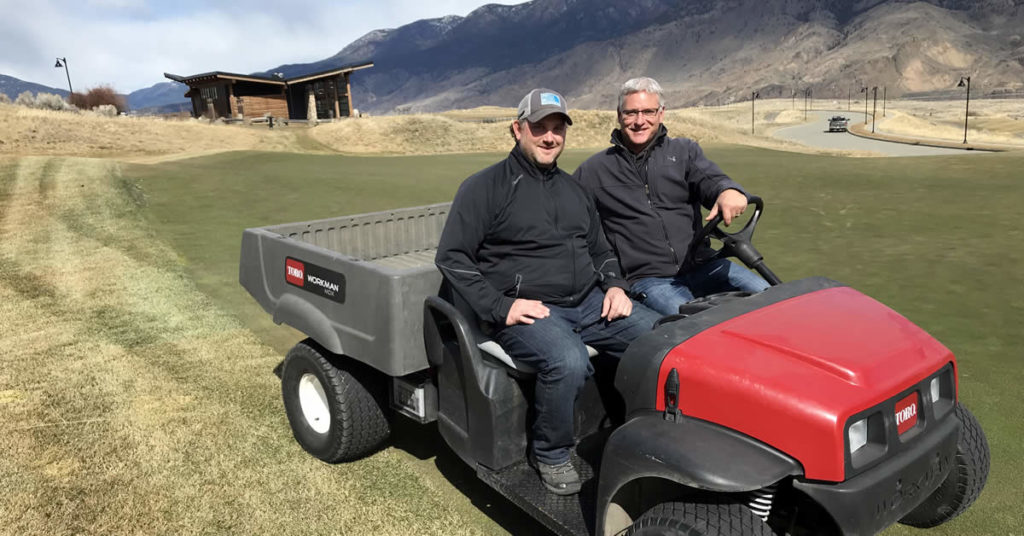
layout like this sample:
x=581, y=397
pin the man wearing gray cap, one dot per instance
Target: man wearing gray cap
x=523, y=247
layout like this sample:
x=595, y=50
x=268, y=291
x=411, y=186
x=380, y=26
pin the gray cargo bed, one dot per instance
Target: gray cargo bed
x=377, y=268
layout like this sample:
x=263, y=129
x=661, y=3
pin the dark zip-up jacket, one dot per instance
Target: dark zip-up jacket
x=516, y=231
x=650, y=202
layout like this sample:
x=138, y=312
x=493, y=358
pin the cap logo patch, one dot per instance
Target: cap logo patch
x=550, y=98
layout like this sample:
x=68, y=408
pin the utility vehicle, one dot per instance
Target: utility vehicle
x=809, y=408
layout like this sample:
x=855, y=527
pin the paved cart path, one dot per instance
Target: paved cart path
x=815, y=134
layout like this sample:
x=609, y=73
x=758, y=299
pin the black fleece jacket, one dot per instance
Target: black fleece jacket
x=517, y=231
x=650, y=202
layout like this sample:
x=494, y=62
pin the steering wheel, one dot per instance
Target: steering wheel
x=738, y=244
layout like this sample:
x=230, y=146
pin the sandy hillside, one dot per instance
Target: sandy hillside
x=29, y=131
x=991, y=121
x=148, y=139
x=486, y=129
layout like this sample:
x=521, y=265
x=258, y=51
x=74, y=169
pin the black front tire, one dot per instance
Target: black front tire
x=337, y=407
x=709, y=518
x=964, y=482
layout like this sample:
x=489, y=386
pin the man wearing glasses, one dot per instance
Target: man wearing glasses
x=649, y=188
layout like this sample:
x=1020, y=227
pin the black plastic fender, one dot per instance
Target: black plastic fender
x=690, y=452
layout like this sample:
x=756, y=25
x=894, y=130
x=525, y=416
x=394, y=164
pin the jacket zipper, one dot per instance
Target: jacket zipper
x=650, y=204
x=550, y=183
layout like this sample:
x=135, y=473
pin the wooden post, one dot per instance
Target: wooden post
x=348, y=94
x=231, y=98
x=311, y=116
x=337, y=110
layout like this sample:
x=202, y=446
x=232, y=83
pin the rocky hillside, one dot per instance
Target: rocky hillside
x=703, y=51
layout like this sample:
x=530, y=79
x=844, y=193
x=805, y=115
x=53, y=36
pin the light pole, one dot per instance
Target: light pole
x=864, y=90
x=874, y=107
x=883, y=100
x=65, y=66
x=807, y=94
x=753, y=97
x=849, y=93
x=967, y=109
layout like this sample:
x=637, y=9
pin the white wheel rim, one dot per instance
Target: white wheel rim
x=313, y=402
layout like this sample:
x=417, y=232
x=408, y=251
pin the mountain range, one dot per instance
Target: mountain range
x=159, y=98
x=12, y=87
x=702, y=51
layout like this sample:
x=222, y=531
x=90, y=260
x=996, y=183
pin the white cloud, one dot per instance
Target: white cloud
x=129, y=44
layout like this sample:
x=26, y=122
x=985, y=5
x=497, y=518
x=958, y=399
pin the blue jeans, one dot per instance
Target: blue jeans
x=554, y=347
x=666, y=294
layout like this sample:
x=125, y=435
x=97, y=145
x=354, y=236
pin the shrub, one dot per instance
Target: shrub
x=98, y=96
x=49, y=101
x=4, y=99
x=25, y=98
x=106, y=110
x=45, y=101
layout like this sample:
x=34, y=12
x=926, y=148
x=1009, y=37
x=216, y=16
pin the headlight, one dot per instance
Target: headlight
x=941, y=387
x=858, y=435
x=866, y=439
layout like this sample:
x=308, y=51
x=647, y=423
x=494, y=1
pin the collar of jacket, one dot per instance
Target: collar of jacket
x=531, y=169
x=618, y=141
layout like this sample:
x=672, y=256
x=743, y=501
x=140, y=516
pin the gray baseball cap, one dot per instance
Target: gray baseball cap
x=540, y=103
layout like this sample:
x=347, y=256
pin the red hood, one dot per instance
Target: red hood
x=792, y=373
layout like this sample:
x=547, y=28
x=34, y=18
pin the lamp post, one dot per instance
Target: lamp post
x=864, y=90
x=849, y=93
x=65, y=66
x=883, y=100
x=753, y=96
x=967, y=109
x=807, y=94
x=874, y=107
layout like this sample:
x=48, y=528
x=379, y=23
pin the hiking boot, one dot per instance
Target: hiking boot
x=560, y=478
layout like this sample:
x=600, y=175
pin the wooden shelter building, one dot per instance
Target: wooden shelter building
x=239, y=96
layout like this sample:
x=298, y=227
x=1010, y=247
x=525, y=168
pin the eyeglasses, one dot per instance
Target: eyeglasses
x=634, y=114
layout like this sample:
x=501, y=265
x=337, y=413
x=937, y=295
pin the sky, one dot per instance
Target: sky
x=129, y=44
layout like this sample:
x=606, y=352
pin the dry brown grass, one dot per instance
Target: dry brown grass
x=991, y=121
x=462, y=131
x=29, y=131
x=41, y=132
x=133, y=405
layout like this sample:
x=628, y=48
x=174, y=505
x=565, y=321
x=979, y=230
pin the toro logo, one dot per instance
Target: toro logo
x=906, y=413
x=294, y=272
x=315, y=279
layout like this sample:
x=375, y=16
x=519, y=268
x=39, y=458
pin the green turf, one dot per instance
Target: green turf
x=936, y=238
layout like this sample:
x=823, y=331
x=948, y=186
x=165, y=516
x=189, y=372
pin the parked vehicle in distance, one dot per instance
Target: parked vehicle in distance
x=806, y=409
x=838, y=123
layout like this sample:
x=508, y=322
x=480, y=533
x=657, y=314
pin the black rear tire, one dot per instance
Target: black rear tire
x=709, y=518
x=337, y=407
x=964, y=482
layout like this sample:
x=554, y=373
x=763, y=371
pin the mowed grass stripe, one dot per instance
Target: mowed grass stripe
x=133, y=404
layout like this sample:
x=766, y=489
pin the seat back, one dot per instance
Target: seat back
x=482, y=410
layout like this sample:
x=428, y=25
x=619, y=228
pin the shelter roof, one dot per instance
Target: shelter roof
x=262, y=79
